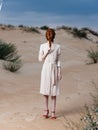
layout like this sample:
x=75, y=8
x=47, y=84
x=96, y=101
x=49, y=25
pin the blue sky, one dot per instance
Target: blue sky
x=77, y=13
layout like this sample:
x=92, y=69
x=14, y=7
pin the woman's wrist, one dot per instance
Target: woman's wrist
x=46, y=55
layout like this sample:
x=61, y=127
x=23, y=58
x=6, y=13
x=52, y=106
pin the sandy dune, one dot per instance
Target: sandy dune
x=21, y=105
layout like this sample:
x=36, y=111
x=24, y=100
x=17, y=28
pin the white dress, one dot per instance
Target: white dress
x=49, y=83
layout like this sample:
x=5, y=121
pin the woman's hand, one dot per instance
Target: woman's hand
x=49, y=50
x=47, y=53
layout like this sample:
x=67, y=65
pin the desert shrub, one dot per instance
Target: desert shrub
x=94, y=33
x=13, y=63
x=10, y=26
x=13, y=57
x=95, y=98
x=79, y=33
x=90, y=117
x=44, y=27
x=93, y=55
x=34, y=30
x=3, y=27
x=7, y=27
x=7, y=50
x=20, y=26
x=85, y=29
x=65, y=27
x=12, y=66
x=8, y=53
x=30, y=29
x=90, y=30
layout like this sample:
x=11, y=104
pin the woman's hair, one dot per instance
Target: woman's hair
x=50, y=35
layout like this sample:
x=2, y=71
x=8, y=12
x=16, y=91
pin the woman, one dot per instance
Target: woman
x=51, y=71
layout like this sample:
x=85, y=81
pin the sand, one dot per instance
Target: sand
x=21, y=105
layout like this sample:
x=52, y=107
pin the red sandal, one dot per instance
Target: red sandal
x=53, y=117
x=47, y=114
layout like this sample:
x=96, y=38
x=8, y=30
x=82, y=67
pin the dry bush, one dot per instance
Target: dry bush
x=93, y=55
x=9, y=54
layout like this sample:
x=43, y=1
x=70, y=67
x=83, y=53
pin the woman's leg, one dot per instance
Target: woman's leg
x=53, y=103
x=46, y=97
x=46, y=109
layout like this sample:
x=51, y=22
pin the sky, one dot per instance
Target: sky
x=53, y=13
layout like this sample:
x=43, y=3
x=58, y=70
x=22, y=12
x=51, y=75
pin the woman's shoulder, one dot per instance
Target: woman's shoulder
x=43, y=44
x=57, y=45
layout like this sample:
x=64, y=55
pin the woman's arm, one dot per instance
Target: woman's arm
x=43, y=56
x=59, y=74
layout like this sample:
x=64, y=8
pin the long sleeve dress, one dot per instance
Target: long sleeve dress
x=49, y=82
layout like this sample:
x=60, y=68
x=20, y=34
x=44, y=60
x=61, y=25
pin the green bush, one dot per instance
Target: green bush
x=13, y=58
x=30, y=29
x=66, y=28
x=10, y=26
x=79, y=33
x=44, y=27
x=7, y=27
x=12, y=66
x=90, y=30
x=93, y=55
x=7, y=50
x=13, y=63
x=21, y=26
x=90, y=117
x=8, y=53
